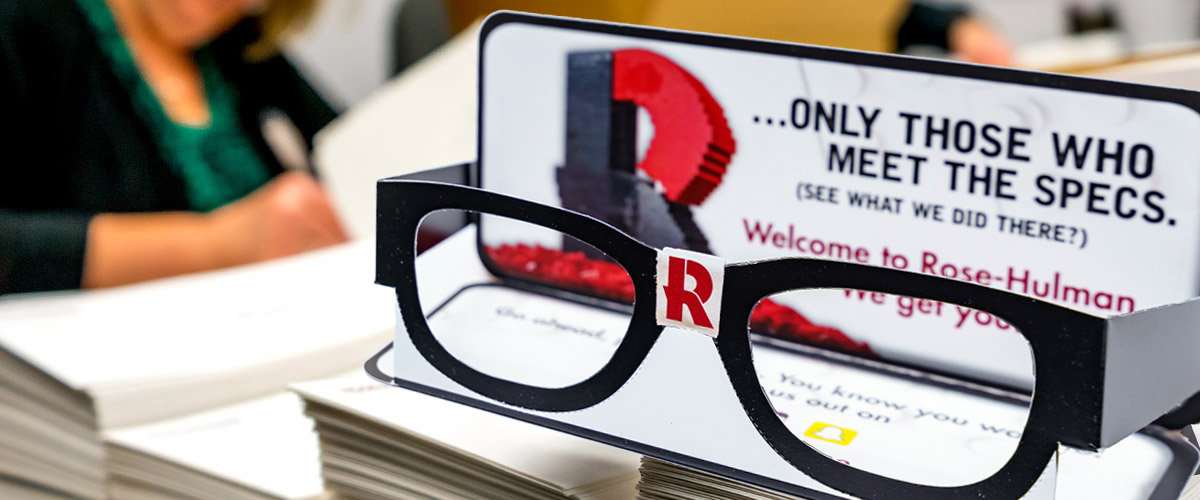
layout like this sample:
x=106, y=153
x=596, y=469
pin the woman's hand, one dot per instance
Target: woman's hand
x=974, y=41
x=288, y=215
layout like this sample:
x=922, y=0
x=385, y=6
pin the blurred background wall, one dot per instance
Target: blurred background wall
x=384, y=36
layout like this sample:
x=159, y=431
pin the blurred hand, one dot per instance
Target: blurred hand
x=288, y=215
x=974, y=41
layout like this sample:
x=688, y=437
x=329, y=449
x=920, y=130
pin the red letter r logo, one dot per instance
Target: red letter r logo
x=700, y=295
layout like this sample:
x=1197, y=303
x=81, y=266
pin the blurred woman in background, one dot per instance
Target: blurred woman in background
x=134, y=146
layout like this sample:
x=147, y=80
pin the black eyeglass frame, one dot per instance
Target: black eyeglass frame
x=1067, y=346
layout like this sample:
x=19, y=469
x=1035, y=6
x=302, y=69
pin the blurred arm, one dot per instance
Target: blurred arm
x=954, y=29
x=289, y=215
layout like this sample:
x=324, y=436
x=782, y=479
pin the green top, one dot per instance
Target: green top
x=217, y=162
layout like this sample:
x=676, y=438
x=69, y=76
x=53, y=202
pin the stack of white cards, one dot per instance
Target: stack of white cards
x=263, y=449
x=74, y=365
x=666, y=481
x=1136, y=468
x=385, y=442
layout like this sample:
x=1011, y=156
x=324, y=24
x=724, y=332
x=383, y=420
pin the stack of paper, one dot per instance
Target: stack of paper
x=72, y=365
x=24, y=491
x=1139, y=467
x=667, y=481
x=384, y=442
x=260, y=450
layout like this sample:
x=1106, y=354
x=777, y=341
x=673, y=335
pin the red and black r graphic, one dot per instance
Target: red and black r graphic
x=686, y=159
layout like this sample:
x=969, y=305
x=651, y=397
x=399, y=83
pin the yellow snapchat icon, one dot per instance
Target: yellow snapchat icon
x=831, y=433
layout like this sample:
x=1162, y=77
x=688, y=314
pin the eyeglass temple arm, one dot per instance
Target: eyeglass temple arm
x=386, y=202
x=1152, y=366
